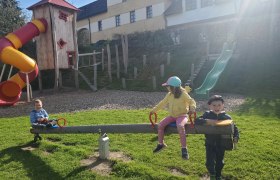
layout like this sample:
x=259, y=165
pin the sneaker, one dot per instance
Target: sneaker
x=159, y=148
x=185, y=154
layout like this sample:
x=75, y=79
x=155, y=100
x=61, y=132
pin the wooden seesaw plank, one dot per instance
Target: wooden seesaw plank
x=219, y=122
x=133, y=128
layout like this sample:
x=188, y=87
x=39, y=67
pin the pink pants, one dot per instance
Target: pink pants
x=180, y=123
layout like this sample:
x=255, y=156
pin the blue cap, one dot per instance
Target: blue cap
x=173, y=81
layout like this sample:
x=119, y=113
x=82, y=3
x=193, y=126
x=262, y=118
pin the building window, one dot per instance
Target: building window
x=99, y=25
x=118, y=20
x=205, y=3
x=149, y=12
x=190, y=5
x=132, y=16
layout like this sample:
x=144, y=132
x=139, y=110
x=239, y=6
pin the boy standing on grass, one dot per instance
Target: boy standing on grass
x=215, y=150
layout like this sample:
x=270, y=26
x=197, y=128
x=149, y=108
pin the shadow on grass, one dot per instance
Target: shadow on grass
x=76, y=172
x=35, y=167
x=260, y=106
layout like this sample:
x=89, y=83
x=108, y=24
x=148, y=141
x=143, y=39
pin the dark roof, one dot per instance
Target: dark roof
x=61, y=3
x=174, y=8
x=92, y=9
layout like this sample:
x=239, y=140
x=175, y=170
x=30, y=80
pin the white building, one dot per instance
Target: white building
x=194, y=11
x=207, y=17
x=105, y=18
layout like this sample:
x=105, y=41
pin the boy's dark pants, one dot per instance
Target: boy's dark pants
x=215, y=159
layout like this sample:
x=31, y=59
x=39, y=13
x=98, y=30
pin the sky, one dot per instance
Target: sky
x=23, y=4
x=77, y=3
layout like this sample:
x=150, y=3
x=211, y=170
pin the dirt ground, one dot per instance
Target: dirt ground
x=64, y=101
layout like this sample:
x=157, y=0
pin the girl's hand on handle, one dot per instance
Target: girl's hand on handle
x=192, y=110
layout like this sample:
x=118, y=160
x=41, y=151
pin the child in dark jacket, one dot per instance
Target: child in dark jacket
x=215, y=150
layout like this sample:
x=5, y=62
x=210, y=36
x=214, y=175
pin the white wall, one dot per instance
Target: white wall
x=200, y=14
x=108, y=23
x=125, y=18
x=140, y=14
x=158, y=9
x=113, y=2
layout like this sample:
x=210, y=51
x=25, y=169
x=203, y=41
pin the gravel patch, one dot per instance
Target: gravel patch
x=64, y=101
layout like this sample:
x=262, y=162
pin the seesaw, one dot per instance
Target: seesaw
x=225, y=128
x=211, y=127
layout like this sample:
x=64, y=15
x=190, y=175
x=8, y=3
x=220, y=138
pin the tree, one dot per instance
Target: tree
x=11, y=16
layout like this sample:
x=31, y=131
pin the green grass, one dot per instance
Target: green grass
x=257, y=155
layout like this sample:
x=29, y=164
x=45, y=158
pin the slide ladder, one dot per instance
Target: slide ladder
x=214, y=74
x=10, y=90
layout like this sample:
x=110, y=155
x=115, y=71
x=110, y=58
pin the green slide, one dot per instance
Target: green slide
x=213, y=75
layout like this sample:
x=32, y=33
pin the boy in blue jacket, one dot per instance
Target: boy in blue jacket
x=38, y=115
x=215, y=150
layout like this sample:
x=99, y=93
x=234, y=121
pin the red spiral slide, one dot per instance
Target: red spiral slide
x=10, y=90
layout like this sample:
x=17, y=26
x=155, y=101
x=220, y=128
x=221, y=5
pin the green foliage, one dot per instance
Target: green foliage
x=149, y=40
x=58, y=156
x=11, y=16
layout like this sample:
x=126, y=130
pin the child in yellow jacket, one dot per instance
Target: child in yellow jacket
x=179, y=105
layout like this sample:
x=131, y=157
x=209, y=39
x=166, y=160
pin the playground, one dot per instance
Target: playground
x=75, y=156
x=76, y=149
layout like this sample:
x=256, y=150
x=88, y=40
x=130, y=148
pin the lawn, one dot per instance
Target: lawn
x=59, y=156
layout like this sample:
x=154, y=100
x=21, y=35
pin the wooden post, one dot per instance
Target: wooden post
x=168, y=58
x=162, y=70
x=27, y=87
x=135, y=72
x=144, y=60
x=60, y=79
x=102, y=60
x=55, y=49
x=118, y=61
x=126, y=50
x=124, y=40
x=95, y=76
x=76, y=75
x=40, y=81
x=94, y=70
x=154, y=82
x=109, y=63
x=123, y=83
